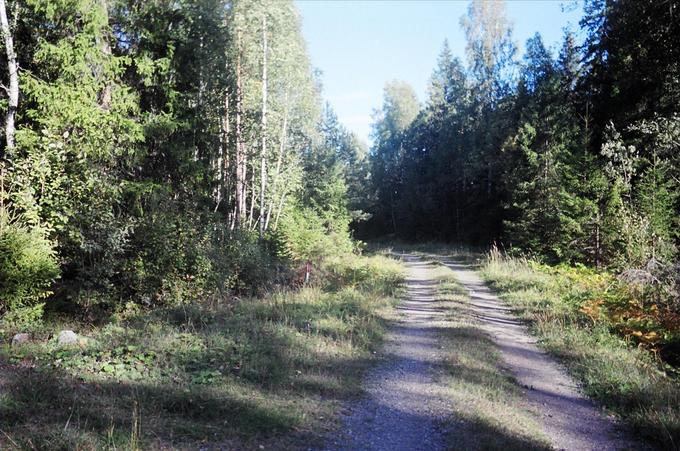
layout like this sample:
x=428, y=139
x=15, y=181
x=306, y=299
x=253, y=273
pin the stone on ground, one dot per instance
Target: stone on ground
x=20, y=339
x=67, y=337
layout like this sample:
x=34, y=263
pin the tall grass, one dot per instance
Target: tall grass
x=237, y=373
x=560, y=307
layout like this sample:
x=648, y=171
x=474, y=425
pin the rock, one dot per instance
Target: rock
x=67, y=337
x=637, y=276
x=20, y=339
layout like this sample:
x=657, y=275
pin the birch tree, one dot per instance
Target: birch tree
x=12, y=90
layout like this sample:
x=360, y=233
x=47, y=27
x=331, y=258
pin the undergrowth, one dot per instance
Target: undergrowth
x=601, y=331
x=270, y=370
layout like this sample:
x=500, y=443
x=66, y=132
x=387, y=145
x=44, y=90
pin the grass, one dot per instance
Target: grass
x=619, y=373
x=433, y=251
x=269, y=371
x=489, y=405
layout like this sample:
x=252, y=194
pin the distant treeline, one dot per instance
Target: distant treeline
x=571, y=154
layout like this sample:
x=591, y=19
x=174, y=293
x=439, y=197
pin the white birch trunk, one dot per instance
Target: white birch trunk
x=279, y=161
x=12, y=69
x=263, y=151
x=240, y=185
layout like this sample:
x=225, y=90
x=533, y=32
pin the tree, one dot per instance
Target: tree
x=399, y=109
x=490, y=49
x=633, y=74
x=13, y=76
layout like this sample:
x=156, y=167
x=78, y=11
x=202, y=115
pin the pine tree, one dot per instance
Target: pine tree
x=400, y=107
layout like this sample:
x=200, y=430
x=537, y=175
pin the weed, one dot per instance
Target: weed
x=253, y=370
x=573, y=312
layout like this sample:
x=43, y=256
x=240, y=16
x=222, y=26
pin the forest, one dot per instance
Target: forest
x=568, y=156
x=174, y=188
x=161, y=150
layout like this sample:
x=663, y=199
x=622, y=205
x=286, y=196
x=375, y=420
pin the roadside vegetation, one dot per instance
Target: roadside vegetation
x=176, y=199
x=488, y=402
x=567, y=157
x=618, y=340
x=267, y=370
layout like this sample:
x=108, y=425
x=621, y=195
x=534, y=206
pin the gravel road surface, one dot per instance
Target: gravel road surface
x=405, y=408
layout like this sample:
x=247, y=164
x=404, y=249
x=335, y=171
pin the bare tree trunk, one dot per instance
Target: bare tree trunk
x=394, y=219
x=488, y=179
x=222, y=164
x=279, y=161
x=263, y=152
x=105, y=95
x=199, y=105
x=226, y=131
x=12, y=69
x=253, y=187
x=457, y=199
x=597, y=239
x=217, y=167
x=282, y=140
x=240, y=157
x=104, y=99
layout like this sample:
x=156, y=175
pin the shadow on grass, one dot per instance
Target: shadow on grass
x=51, y=410
x=252, y=371
x=482, y=434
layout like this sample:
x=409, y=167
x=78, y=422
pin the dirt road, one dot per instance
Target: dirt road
x=406, y=406
x=569, y=419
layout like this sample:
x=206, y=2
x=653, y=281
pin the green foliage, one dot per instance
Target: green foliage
x=127, y=138
x=490, y=50
x=308, y=236
x=644, y=202
x=602, y=329
x=181, y=260
x=400, y=108
x=22, y=319
x=243, y=372
x=375, y=274
x=28, y=267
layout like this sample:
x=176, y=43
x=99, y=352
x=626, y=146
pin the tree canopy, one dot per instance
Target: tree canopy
x=571, y=156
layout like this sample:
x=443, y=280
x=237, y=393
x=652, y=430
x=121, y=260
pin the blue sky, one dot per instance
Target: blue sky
x=361, y=45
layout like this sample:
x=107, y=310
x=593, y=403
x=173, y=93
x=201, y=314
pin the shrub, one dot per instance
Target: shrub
x=307, y=236
x=24, y=319
x=28, y=267
x=176, y=259
x=240, y=261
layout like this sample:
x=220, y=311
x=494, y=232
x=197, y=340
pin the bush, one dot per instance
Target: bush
x=166, y=264
x=240, y=261
x=175, y=259
x=28, y=267
x=307, y=236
